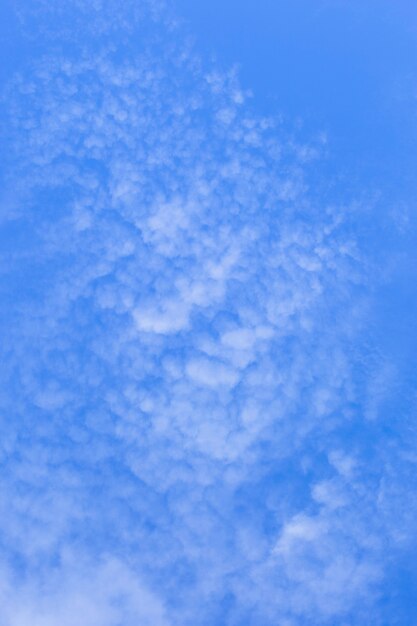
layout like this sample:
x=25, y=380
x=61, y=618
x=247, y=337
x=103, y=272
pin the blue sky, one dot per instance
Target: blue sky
x=208, y=300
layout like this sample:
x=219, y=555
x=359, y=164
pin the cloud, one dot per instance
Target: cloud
x=104, y=593
x=179, y=350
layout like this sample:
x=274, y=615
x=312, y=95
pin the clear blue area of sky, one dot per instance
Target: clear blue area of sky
x=346, y=68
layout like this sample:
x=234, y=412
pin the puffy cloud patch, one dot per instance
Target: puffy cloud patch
x=179, y=352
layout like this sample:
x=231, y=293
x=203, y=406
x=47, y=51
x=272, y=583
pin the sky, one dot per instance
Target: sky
x=207, y=319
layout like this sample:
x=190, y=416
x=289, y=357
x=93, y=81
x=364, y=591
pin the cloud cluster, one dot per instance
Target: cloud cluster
x=179, y=347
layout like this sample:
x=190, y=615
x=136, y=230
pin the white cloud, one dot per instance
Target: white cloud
x=184, y=344
x=211, y=372
x=105, y=593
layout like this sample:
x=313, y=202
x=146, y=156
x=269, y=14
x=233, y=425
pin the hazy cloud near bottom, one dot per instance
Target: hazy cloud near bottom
x=184, y=437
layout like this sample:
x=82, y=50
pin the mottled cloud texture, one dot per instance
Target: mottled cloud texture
x=190, y=403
